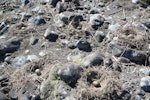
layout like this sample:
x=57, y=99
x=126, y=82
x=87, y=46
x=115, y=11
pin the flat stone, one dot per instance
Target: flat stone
x=136, y=57
x=123, y=60
x=84, y=45
x=145, y=83
x=24, y=2
x=9, y=46
x=144, y=71
x=116, y=50
x=33, y=40
x=53, y=2
x=96, y=21
x=61, y=7
x=25, y=16
x=108, y=62
x=99, y=35
x=3, y=97
x=32, y=58
x=70, y=72
x=3, y=28
x=13, y=95
x=92, y=59
x=147, y=24
x=114, y=27
x=50, y=35
x=37, y=20
x=19, y=61
x=75, y=19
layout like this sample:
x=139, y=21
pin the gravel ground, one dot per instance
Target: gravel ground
x=74, y=49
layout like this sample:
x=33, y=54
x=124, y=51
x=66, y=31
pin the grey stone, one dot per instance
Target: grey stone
x=5, y=90
x=99, y=35
x=145, y=83
x=92, y=59
x=36, y=97
x=27, y=51
x=13, y=94
x=108, y=62
x=43, y=2
x=3, y=97
x=106, y=25
x=76, y=57
x=66, y=0
x=145, y=71
x=72, y=45
x=62, y=35
x=9, y=46
x=147, y=24
x=50, y=35
x=149, y=60
x=53, y=2
x=2, y=25
x=116, y=50
x=84, y=45
x=70, y=98
x=28, y=88
x=15, y=19
x=42, y=53
x=25, y=16
x=19, y=61
x=117, y=67
x=37, y=20
x=62, y=90
x=33, y=40
x=36, y=9
x=137, y=97
x=140, y=92
x=24, y=2
x=70, y=73
x=24, y=97
x=41, y=12
x=61, y=19
x=135, y=1
x=8, y=59
x=3, y=28
x=61, y=7
x=123, y=60
x=4, y=78
x=96, y=21
x=64, y=17
x=136, y=57
x=32, y=58
x=57, y=20
x=75, y=19
x=94, y=11
x=114, y=27
x=101, y=4
x=125, y=95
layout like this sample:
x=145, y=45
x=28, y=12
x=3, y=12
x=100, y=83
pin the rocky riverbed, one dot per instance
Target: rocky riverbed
x=74, y=50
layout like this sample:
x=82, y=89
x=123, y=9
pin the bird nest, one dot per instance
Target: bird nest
x=132, y=39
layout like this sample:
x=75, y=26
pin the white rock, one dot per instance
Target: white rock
x=135, y=1
x=32, y=58
x=145, y=71
x=42, y=53
x=19, y=61
x=27, y=51
x=114, y=27
x=145, y=83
